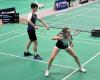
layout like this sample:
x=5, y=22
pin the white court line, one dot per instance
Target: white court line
x=71, y=8
x=24, y=34
x=80, y=27
x=86, y=39
x=90, y=16
x=39, y=35
x=66, y=13
x=25, y=58
x=63, y=66
x=88, y=61
x=12, y=38
x=70, y=14
x=97, y=54
x=75, y=41
x=6, y=33
x=74, y=37
x=66, y=19
x=88, y=43
x=88, y=11
x=61, y=14
x=76, y=69
x=96, y=6
x=92, y=8
x=21, y=31
x=70, y=74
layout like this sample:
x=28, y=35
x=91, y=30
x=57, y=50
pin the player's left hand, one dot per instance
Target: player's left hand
x=47, y=27
x=71, y=44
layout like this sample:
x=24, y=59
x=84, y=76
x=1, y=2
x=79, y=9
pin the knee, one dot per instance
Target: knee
x=75, y=57
x=52, y=58
x=35, y=44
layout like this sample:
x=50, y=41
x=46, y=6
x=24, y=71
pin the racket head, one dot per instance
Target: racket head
x=43, y=32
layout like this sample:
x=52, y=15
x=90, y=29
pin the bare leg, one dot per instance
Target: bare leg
x=53, y=55
x=28, y=45
x=36, y=55
x=35, y=46
x=72, y=53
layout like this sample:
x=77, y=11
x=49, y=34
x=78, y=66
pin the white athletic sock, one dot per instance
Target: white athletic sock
x=26, y=50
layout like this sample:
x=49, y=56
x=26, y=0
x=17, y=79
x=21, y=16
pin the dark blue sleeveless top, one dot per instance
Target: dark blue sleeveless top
x=33, y=19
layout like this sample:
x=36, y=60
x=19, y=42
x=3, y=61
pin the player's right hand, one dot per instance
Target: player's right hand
x=36, y=27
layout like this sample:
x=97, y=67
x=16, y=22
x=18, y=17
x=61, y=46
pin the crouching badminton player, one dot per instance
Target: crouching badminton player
x=64, y=41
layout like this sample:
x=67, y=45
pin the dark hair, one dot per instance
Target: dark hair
x=65, y=29
x=33, y=5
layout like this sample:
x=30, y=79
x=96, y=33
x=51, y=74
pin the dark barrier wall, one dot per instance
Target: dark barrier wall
x=84, y=1
x=7, y=10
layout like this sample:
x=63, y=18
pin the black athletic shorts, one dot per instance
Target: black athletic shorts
x=60, y=45
x=32, y=35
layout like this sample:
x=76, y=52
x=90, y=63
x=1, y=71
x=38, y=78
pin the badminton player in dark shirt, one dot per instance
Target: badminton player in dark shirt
x=64, y=41
x=32, y=17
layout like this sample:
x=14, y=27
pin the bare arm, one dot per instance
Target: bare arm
x=71, y=44
x=30, y=22
x=43, y=23
x=55, y=38
x=58, y=37
x=71, y=41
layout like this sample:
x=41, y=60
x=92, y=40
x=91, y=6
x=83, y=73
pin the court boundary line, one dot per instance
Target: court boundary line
x=41, y=61
x=21, y=31
x=69, y=14
x=41, y=36
x=89, y=16
x=78, y=41
x=80, y=27
x=88, y=43
x=7, y=33
x=85, y=39
x=58, y=64
x=95, y=55
x=72, y=17
x=73, y=28
x=12, y=38
x=65, y=66
x=68, y=9
x=62, y=15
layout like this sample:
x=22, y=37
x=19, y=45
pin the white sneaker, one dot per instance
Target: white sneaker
x=46, y=73
x=82, y=69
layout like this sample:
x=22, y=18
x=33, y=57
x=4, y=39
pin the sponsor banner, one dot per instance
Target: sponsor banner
x=60, y=4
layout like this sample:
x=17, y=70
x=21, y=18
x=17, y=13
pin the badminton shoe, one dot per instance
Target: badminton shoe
x=27, y=53
x=82, y=69
x=37, y=57
x=46, y=73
